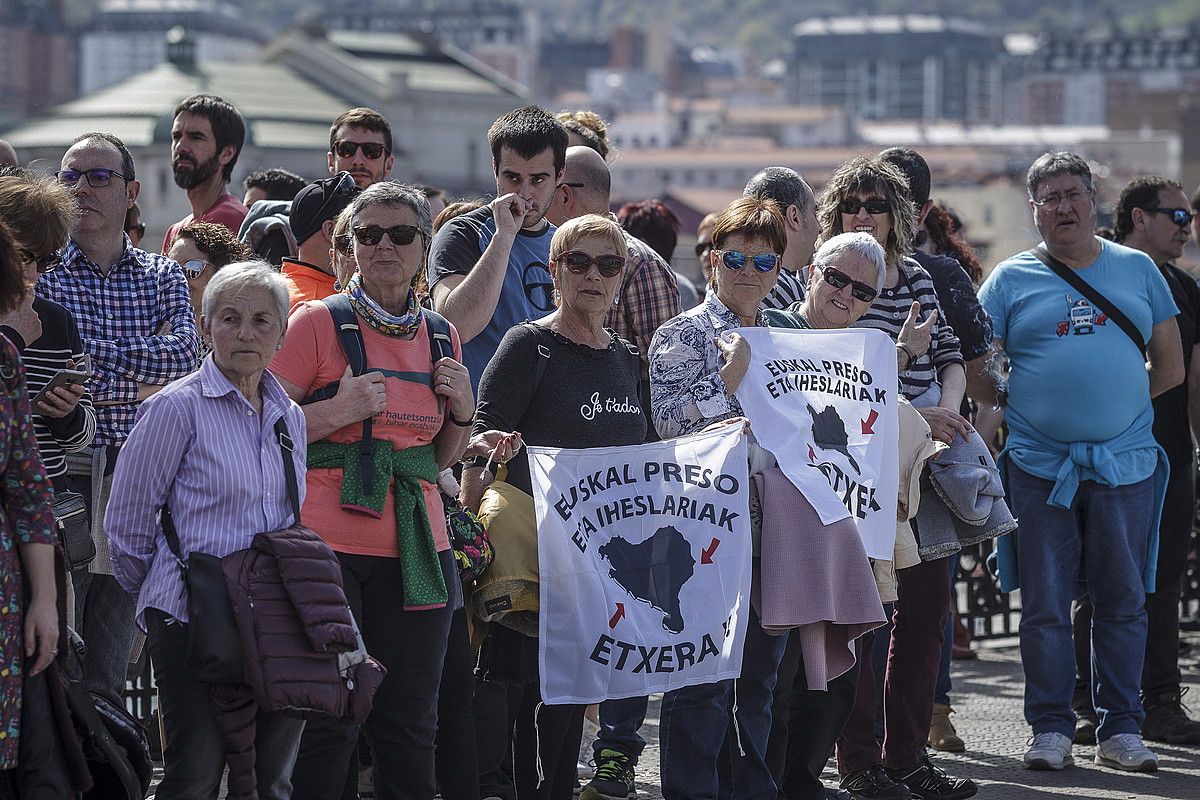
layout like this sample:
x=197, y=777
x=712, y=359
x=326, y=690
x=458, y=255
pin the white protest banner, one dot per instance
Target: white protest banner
x=824, y=403
x=644, y=555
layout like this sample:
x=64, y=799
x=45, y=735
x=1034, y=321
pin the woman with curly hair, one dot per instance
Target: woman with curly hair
x=202, y=248
x=945, y=238
x=870, y=195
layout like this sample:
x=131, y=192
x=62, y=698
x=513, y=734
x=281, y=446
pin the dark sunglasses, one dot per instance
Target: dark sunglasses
x=839, y=280
x=45, y=263
x=371, y=235
x=97, y=178
x=580, y=262
x=874, y=205
x=139, y=229
x=702, y=248
x=370, y=150
x=736, y=259
x=1180, y=216
x=344, y=244
x=193, y=268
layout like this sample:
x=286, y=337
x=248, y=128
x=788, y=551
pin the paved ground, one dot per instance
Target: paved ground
x=987, y=698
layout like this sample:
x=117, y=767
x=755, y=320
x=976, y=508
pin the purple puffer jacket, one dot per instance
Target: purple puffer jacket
x=301, y=645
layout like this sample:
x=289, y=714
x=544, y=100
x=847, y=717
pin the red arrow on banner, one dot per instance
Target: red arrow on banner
x=811, y=455
x=869, y=421
x=612, y=623
x=707, y=554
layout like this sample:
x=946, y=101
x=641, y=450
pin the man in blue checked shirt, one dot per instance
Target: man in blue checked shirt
x=139, y=332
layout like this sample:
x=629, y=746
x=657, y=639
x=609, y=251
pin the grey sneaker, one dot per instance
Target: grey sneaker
x=1049, y=751
x=1126, y=751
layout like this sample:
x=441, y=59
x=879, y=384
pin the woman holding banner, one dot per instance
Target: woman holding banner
x=871, y=196
x=696, y=364
x=562, y=381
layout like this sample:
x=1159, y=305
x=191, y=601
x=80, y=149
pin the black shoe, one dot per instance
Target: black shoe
x=929, y=782
x=1086, y=721
x=873, y=783
x=614, y=778
x=1167, y=720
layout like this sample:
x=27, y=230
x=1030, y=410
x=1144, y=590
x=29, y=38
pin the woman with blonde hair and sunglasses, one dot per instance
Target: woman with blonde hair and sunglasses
x=562, y=381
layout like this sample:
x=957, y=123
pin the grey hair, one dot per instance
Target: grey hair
x=247, y=275
x=859, y=244
x=395, y=195
x=1051, y=165
x=783, y=185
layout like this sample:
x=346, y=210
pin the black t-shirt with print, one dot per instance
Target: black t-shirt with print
x=1171, y=427
x=585, y=397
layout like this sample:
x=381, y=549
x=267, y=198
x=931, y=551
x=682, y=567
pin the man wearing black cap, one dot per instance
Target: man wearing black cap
x=311, y=277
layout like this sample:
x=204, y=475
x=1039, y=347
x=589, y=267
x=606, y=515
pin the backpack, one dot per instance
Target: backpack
x=114, y=743
x=345, y=324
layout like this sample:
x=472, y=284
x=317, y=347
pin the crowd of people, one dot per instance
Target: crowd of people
x=400, y=349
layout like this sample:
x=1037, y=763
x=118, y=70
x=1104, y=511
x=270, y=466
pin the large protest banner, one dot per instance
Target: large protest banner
x=824, y=403
x=644, y=555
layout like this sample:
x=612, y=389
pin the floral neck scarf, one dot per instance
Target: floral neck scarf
x=374, y=315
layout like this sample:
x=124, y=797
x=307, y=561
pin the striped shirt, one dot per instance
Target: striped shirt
x=136, y=323
x=788, y=289
x=54, y=350
x=888, y=313
x=199, y=447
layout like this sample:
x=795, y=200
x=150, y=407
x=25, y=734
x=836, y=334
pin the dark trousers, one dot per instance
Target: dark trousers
x=545, y=745
x=194, y=753
x=457, y=760
x=805, y=724
x=1160, y=668
x=402, y=725
x=493, y=708
x=919, y=621
x=41, y=773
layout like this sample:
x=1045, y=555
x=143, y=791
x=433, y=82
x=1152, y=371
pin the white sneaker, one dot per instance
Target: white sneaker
x=1126, y=751
x=1049, y=751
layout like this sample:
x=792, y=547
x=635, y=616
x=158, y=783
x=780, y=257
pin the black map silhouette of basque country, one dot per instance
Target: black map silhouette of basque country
x=829, y=432
x=653, y=571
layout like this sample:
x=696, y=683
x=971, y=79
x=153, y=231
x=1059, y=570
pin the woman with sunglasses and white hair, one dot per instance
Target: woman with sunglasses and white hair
x=382, y=514
x=562, y=381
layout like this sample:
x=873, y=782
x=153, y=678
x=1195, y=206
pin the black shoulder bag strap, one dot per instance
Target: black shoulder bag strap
x=1092, y=294
x=286, y=447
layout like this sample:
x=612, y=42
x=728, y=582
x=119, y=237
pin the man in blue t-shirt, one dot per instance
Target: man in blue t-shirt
x=488, y=269
x=1085, y=475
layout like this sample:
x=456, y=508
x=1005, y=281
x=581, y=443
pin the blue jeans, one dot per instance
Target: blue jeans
x=696, y=720
x=620, y=721
x=1107, y=528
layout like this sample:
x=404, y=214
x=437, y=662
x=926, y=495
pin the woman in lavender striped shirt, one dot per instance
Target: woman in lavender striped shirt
x=206, y=447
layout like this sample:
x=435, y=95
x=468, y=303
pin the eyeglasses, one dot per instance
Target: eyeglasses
x=702, y=248
x=371, y=235
x=344, y=244
x=97, y=178
x=193, y=268
x=839, y=280
x=370, y=150
x=580, y=262
x=736, y=259
x=139, y=229
x=1074, y=197
x=873, y=205
x=1180, y=216
x=45, y=263
x=573, y=185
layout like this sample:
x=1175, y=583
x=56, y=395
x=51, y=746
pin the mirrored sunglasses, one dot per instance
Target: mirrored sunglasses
x=736, y=259
x=1180, y=216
